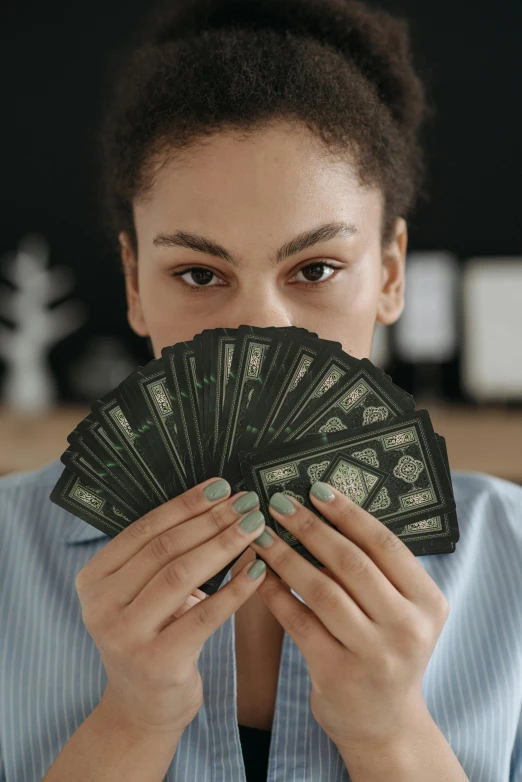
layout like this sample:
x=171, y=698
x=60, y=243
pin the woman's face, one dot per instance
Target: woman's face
x=253, y=198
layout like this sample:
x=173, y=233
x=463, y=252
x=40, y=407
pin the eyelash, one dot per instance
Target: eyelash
x=198, y=288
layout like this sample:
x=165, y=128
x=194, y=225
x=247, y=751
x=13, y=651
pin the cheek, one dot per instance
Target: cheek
x=358, y=296
x=351, y=320
x=169, y=317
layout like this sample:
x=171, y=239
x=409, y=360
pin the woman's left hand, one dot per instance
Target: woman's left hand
x=373, y=619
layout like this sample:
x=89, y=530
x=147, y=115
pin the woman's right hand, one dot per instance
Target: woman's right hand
x=142, y=606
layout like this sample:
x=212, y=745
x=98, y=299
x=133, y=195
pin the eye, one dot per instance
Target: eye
x=197, y=277
x=314, y=271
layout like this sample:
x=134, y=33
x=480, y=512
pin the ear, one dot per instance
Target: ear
x=130, y=268
x=391, y=301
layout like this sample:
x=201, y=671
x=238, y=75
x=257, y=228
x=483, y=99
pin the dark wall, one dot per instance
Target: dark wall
x=53, y=60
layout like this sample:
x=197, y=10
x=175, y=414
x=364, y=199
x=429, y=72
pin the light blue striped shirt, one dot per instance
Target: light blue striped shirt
x=52, y=676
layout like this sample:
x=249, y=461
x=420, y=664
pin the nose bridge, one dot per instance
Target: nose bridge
x=261, y=306
x=259, y=316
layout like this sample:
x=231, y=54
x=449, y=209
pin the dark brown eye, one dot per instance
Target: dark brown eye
x=314, y=271
x=201, y=276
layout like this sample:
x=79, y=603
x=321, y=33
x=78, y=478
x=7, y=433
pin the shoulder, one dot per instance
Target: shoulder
x=27, y=479
x=489, y=514
x=480, y=483
x=482, y=497
x=25, y=505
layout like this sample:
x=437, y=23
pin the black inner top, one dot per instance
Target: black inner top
x=255, y=744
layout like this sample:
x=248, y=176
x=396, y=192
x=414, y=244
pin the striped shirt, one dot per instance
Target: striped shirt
x=52, y=676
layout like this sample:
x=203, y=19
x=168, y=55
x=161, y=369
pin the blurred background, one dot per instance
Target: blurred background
x=64, y=336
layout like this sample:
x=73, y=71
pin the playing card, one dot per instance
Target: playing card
x=269, y=409
x=207, y=423
x=363, y=396
x=108, y=410
x=321, y=379
x=436, y=535
x=247, y=365
x=182, y=380
x=91, y=432
x=293, y=368
x=282, y=340
x=105, y=469
x=93, y=473
x=148, y=404
x=81, y=497
x=395, y=472
x=197, y=343
x=222, y=346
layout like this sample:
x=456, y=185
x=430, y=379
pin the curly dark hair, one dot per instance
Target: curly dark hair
x=340, y=68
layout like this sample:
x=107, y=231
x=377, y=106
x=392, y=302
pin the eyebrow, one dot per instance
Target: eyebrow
x=298, y=244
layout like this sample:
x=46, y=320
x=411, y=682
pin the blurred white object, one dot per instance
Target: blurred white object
x=492, y=324
x=105, y=364
x=380, y=354
x=29, y=387
x=426, y=332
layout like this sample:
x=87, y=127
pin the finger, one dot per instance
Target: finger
x=382, y=545
x=334, y=608
x=189, y=603
x=357, y=574
x=127, y=543
x=171, y=544
x=310, y=636
x=167, y=590
x=202, y=620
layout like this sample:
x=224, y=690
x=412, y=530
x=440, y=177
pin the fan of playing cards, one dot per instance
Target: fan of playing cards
x=270, y=410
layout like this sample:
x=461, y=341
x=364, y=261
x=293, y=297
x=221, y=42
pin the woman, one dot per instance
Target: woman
x=236, y=128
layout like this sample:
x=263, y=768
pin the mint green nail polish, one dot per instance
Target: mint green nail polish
x=265, y=539
x=217, y=490
x=246, y=502
x=255, y=570
x=251, y=522
x=321, y=491
x=279, y=502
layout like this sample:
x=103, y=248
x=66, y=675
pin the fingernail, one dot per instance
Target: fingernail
x=281, y=503
x=246, y=502
x=251, y=522
x=217, y=490
x=321, y=491
x=255, y=570
x=265, y=539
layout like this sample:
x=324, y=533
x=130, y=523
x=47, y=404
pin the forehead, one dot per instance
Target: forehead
x=274, y=175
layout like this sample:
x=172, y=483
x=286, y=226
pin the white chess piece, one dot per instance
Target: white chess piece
x=29, y=387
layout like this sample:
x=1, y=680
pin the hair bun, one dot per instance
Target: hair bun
x=376, y=42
